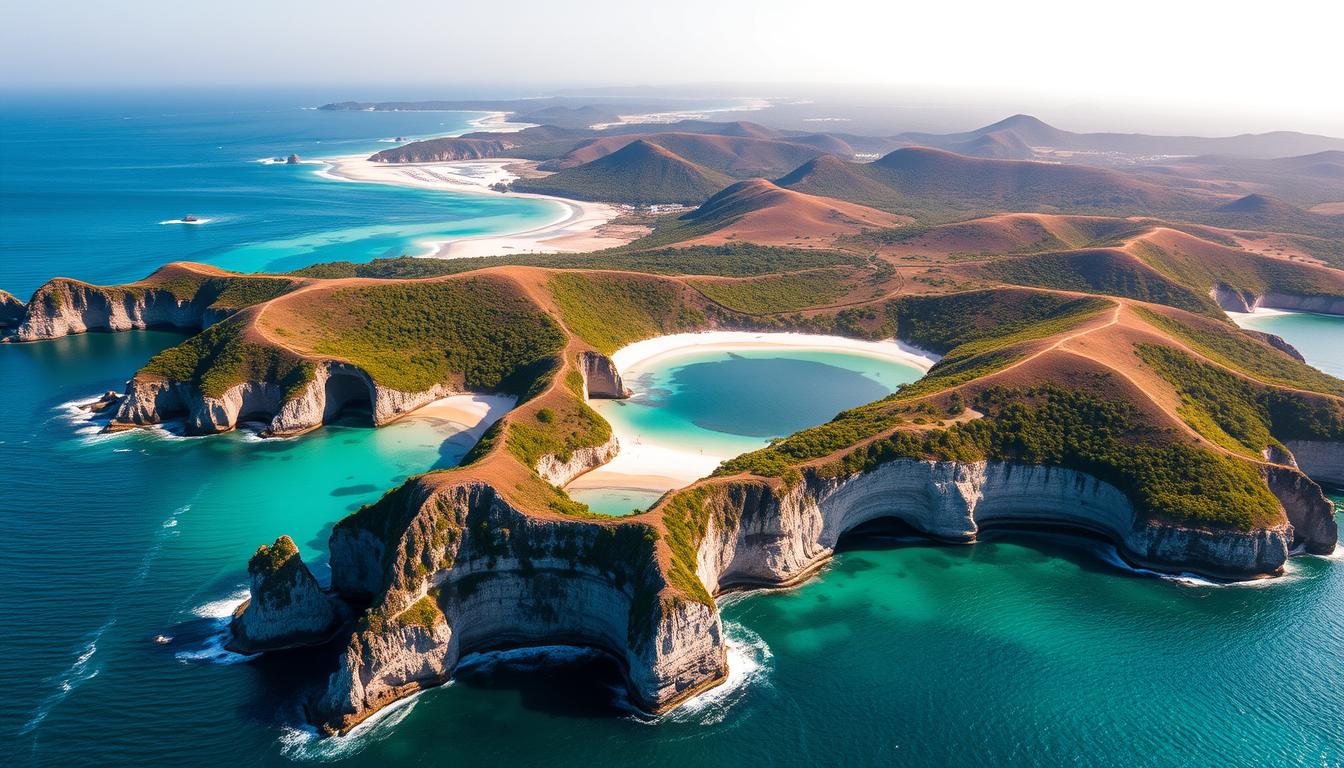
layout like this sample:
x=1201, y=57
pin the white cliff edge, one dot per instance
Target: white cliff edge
x=489, y=576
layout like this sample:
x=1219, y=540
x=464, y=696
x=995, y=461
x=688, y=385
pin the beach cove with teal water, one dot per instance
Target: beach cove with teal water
x=1019, y=650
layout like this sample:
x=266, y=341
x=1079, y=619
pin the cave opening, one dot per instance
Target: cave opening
x=347, y=397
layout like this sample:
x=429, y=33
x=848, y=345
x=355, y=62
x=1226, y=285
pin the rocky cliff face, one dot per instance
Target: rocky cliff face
x=285, y=608
x=11, y=310
x=600, y=377
x=1235, y=301
x=64, y=307
x=559, y=472
x=776, y=540
x=459, y=570
x=1310, y=513
x=1319, y=460
x=334, y=385
x=453, y=568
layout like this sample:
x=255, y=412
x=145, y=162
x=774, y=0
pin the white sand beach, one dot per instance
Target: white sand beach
x=473, y=414
x=648, y=466
x=575, y=227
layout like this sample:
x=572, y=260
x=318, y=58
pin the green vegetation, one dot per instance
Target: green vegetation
x=1109, y=272
x=219, y=293
x=268, y=560
x=221, y=356
x=1240, y=350
x=731, y=260
x=686, y=518
x=422, y=613
x=1165, y=477
x=778, y=293
x=611, y=311
x=1240, y=271
x=984, y=351
x=480, y=332
x=1238, y=414
x=639, y=173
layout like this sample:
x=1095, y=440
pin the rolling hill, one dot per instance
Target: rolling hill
x=1039, y=134
x=641, y=172
x=758, y=211
x=733, y=155
x=936, y=182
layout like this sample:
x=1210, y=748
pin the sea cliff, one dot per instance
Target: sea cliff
x=332, y=387
x=454, y=569
x=449, y=568
x=286, y=607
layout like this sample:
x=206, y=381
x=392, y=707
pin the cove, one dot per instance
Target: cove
x=696, y=407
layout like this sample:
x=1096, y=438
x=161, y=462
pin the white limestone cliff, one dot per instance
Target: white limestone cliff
x=333, y=385
x=64, y=307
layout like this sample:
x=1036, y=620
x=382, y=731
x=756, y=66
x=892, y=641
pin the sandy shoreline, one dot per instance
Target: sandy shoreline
x=473, y=414
x=574, y=228
x=653, y=467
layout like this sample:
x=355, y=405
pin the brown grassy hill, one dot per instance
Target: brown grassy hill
x=733, y=155
x=999, y=145
x=641, y=172
x=829, y=176
x=758, y=211
x=1002, y=234
x=1096, y=146
x=965, y=182
x=935, y=185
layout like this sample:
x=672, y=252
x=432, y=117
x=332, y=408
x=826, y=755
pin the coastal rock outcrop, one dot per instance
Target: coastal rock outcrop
x=559, y=471
x=458, y=570
x=1237, y=301
x=285, y=608
x=333, y=387
x=63, y=307
x=11, y=310
x=600, y=378
x=1310, y=513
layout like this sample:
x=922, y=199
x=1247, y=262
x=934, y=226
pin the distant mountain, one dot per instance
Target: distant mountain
x=1304, y=180
x=916, y=180
x=641, y=172
x=829, y=176
x=1259, y=205
x=997, y=145
x=734, y=155
x=761, y=212
x=1038, y=134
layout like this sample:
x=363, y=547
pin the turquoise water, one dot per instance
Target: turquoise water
x=1317, y=337
x=87, y=180
x=1016, y=651
x=728, y=403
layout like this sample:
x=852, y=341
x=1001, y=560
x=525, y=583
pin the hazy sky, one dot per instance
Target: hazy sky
x=1258, y=64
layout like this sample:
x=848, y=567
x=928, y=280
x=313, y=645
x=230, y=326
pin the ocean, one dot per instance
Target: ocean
x=1020, y=650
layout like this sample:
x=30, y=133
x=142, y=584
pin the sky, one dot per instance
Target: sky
x=1245, y=65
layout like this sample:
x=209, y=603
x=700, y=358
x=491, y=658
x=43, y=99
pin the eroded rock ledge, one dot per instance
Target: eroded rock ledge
x=449, y=567
x=332, y=387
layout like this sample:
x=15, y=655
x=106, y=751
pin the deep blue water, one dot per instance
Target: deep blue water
x=1016, y=651
x=85, y=183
